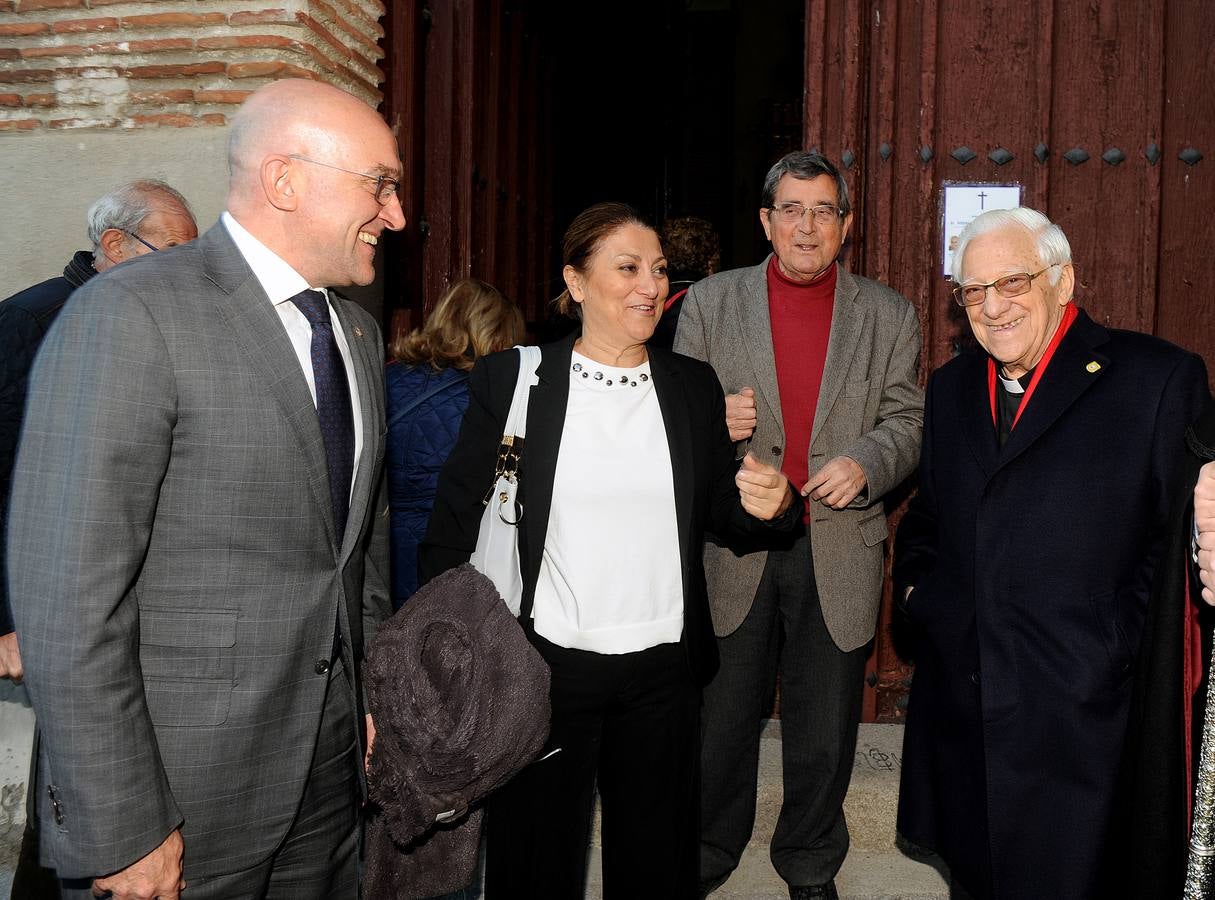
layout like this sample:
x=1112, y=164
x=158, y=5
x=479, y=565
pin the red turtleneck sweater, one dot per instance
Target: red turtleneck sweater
x=801, y=326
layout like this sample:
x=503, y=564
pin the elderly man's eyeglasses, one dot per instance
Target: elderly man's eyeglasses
x=1009, y=286
x=386, y=187
x=132, y=234
x=793, y=212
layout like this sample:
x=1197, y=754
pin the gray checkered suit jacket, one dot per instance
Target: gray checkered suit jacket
x=869, y=408
x=173, y=566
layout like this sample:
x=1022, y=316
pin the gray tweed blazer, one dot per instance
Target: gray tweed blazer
x=870, y=408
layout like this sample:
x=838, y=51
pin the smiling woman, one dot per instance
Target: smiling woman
x=617, y=275
x=627, y=463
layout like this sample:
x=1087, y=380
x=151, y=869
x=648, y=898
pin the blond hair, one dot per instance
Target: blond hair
x=470, y=320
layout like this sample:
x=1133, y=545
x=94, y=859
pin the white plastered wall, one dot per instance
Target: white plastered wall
x=49, y=180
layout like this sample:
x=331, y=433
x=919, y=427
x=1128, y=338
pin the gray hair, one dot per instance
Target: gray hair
x=1052, y=245
x=805, y=165
x=127, y=206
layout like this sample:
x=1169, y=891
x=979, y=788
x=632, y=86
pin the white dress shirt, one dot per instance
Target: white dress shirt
x=281, y=283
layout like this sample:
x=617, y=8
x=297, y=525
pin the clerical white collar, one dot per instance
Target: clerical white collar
x=1010, y=384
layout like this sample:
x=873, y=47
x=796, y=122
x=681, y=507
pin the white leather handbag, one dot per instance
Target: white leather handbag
x=497, y=553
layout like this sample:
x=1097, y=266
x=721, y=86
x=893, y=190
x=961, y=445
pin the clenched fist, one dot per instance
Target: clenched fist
x=740, y=414
x=764, y=489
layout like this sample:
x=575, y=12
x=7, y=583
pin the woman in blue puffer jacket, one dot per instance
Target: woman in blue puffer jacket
x=427, y=393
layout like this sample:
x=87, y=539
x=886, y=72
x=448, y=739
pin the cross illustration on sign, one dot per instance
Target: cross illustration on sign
x=962, y=202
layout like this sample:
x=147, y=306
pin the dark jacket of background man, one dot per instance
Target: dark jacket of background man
x=25, y=319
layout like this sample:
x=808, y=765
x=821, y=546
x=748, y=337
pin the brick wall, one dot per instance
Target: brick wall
x=136, y=64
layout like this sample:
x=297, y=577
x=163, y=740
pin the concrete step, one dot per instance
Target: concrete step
x=866, y=875
x=16, y=739
x=876, y=868
x=872, y=795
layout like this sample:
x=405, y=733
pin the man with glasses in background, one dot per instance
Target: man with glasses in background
x=195, y=576
x=1025, y=564
x=115, y=223
x=819, y=367
x=148, y=207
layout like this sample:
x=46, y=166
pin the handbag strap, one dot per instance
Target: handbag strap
x=510, y=448
x=422, y=398
x=516, y=419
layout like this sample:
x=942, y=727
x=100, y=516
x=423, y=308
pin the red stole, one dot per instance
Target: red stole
x=1069, y=316
x=1191, y=677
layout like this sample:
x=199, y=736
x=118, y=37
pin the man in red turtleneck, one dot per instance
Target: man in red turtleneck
x=819, y=367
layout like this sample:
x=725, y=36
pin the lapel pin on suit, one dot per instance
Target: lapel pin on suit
x=1092, y=367
x=358, y=332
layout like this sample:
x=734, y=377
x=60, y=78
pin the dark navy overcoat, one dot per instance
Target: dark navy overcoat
x=1032, y=567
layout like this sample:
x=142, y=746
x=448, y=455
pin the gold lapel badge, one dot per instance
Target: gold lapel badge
x=1092, y=367
x=358, y=332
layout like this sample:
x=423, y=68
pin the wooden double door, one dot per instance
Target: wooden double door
x=1101, y=110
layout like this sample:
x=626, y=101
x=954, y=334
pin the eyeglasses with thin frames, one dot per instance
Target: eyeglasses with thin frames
x=386, y=187
x=150, y=246
x=1007, y=286
x=793, y=212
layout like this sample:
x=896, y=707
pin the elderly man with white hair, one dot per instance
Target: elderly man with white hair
x=1025, y=565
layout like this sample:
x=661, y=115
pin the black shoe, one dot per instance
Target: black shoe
x=813, y=891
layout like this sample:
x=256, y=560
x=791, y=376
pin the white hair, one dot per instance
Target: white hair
x=1052, y=245
x=127, y=206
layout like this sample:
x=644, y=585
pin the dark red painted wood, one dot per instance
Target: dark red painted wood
x=944, y=74
x=463, y=89
x=401, y=254
x=470, y=96
x=1186, y=257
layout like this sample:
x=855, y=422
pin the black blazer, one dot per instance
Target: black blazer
x=702, y=467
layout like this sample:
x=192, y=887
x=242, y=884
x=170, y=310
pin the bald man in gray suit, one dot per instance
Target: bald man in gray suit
x=196, y=571
x=819, y=368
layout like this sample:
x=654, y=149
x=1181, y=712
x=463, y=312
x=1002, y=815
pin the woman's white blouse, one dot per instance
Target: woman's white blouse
x=610, y=576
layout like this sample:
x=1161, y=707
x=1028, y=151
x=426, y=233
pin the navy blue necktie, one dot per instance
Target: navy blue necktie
x=332, y=404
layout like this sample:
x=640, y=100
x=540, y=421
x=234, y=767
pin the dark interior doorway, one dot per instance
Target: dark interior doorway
x=675, y=106
x=514, y=115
